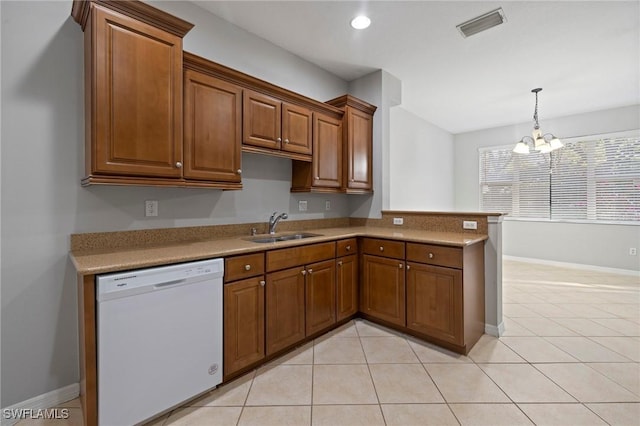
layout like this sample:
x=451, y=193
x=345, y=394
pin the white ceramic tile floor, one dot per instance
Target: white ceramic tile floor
x=570, y=356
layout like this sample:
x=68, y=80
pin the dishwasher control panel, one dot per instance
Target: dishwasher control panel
x=112, y=285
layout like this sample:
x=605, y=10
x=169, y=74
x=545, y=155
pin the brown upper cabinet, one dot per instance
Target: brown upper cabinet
x=276, y=125
x=212, y=130
x=133, y=92
x=357, y=176
x=158, y=116
x=324, y=174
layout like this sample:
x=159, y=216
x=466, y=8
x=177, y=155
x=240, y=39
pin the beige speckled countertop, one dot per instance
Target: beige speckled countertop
x=100, y=261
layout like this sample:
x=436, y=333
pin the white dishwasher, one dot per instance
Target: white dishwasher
x=159, y=339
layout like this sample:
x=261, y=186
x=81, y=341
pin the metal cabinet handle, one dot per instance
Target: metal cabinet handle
x=247, y=267
x=310, y=270
x=303, y=272
x=400, y=265
x=239, y=171
x=348, y=248
x=279, y=140
x=430, y=255
x=178, y=165
x=317, y=177
x=286, y=141
x=262, y=283
x=408, y=267
x=381, y=248
x=339, y=262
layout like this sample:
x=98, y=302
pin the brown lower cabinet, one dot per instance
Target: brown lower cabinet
x=383, y=289
x=320, y=296
x=243, y=323
x=346, y=286
x=434, y=301
x=285, y=310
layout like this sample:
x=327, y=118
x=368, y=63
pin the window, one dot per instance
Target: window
x=590, y=178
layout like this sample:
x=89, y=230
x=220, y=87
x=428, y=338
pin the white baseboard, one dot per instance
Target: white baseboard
x=493, y=330
x=573, y=265
x=41, y=402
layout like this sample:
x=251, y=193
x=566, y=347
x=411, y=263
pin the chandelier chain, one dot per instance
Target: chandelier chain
x=535, y=113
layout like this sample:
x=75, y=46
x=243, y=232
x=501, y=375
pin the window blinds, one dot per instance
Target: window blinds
x=588, y=179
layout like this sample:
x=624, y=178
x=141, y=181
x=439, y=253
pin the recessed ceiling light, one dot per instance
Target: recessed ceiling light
x=360, y=22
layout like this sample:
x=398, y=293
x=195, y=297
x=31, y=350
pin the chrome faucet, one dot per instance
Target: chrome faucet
x=274, y=219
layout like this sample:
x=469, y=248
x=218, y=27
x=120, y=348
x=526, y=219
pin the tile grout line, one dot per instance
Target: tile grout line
x=435, y=384
x=375, y=389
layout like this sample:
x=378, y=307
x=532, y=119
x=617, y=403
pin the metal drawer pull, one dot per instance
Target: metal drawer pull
x=381, y=248
x=262, y=283
x=348, y=248
x=430, y=255
x=247, y=267
x=178, y=165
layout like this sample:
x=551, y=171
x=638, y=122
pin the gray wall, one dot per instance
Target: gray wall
x=581, y=243
x=421, y=164
x=42, y=164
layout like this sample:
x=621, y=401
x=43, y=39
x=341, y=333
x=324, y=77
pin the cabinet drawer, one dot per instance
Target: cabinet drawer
x=302, y=255
x=346, y=247
x=386, y=248
x=435, y=255
x=245, y=266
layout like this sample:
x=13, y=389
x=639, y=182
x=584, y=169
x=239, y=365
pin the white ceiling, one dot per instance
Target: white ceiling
x=584, y=54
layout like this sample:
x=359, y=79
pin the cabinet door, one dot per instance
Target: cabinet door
x=212, y=128
x=383, y=289
x=327, y=152
x=136, y=94
x=285, y=308
x=347, y=286
x=434, y=302
x=359, y=150
x=296, y=129
x=320, y=296
x=243, y=324
x=261, y=120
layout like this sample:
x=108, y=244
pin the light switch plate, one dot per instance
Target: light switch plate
x=327, y=205
x=469, y=224
x=302, y=206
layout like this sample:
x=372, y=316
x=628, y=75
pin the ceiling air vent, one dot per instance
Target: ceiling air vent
x=482, y=22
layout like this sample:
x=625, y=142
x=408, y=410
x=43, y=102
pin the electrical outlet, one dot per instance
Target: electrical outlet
x=633, y=251
x=302, y=206
x=327, y=205
x=469, y=224
x=398, y=220
x=151, y=208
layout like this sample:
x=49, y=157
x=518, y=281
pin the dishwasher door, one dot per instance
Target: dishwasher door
x=159, y=338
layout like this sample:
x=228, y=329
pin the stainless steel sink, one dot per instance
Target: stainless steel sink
x=277, y=238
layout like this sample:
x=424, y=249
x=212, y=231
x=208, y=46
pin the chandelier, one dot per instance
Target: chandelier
x=539, y=142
